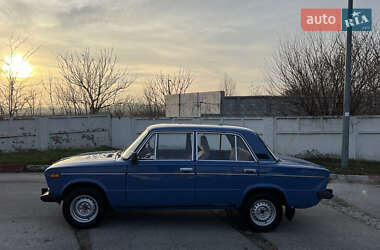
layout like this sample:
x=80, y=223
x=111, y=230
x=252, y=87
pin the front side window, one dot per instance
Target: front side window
x=174, y=146
x=169, y=146
x=212, y=146
x=147, y=152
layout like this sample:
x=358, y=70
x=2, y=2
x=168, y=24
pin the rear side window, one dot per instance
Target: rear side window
x=174, y=146
x=243, y=153
x=213, y=146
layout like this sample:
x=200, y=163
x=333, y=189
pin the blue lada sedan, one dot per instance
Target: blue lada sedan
x=187, y=166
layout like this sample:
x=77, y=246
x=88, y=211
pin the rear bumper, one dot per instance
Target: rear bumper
x=326, y=194
x=47, y=197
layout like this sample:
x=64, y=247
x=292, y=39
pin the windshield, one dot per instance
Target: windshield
x=127, y=153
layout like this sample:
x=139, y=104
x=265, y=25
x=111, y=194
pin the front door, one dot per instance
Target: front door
x=164, y=173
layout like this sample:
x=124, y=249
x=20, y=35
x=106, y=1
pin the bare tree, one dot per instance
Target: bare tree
x=12, y=88
x=256, y=89
x=155, y=102
x=311, y=72
x=33, y=102
x=161, y=85
x=50, y=88
x=130, y=107
x=90, y=82
x=228, y=85
x=13, y=98
x=54, y=104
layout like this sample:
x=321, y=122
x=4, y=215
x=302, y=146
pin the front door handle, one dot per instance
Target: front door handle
x=249, y=171
x=186, y=170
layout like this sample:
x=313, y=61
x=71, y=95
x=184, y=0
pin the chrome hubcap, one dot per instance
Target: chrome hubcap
x=263, y=212
x=84, y=208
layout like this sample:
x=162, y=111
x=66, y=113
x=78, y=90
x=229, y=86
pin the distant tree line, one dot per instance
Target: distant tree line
x=88, y=83
x=311, y=71
x=15, y=96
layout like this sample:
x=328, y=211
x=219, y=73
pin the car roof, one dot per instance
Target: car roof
x=199, y=127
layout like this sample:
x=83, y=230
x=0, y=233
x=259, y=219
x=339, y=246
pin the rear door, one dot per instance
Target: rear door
x=225, y=168
x=246, y=170
x=215, y=161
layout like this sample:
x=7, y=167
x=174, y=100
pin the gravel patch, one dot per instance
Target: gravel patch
x=352, y=211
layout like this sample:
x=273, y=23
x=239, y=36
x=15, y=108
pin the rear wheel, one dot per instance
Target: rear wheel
x=263, y=211
x=83, y=207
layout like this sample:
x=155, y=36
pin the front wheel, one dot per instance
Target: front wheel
x=263, y=211
x=83, y=207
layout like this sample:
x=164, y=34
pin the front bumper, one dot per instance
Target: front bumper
x=327, y=194
x=47, y=197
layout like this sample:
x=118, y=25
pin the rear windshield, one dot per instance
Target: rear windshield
x=262, y=151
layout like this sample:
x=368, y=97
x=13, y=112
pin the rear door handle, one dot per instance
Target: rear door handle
x=186, y=170
x=249, y=171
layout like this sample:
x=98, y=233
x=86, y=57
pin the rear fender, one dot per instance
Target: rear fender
x=252, y=188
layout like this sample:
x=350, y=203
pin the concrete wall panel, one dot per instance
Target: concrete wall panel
x=285, y=135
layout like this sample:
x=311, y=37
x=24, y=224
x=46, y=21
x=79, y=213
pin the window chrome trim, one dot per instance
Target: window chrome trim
x=236, y=152
x=180, y=160
x=155, y=146
x=255, y=159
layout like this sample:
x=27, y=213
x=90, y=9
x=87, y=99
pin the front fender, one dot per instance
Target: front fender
x=83, y=180
x=113, y=186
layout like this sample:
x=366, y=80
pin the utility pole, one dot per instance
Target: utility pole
x=347, y=93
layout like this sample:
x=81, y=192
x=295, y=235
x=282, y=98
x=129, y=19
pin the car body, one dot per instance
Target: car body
x=187, y=166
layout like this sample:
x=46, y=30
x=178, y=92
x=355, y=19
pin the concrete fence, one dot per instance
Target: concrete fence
x=55, y=132
x=285, y=135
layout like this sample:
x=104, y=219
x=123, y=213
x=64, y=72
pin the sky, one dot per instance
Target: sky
x=208, y=38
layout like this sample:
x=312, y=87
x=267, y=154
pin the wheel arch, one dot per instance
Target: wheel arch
x=261, y=189
x=84, y=183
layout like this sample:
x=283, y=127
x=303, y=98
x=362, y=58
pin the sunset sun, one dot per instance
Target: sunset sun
x=17, y=66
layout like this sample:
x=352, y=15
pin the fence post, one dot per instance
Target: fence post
x=274, y=134
x=354, y=135
x=42, y=133
x=132, y=134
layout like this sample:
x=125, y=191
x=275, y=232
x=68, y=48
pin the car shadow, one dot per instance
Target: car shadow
x=162, y=217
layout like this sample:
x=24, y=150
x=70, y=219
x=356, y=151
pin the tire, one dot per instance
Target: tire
x=263, y=211
x=83, y=207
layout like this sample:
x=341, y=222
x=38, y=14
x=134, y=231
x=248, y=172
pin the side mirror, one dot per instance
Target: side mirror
x=134, y=158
